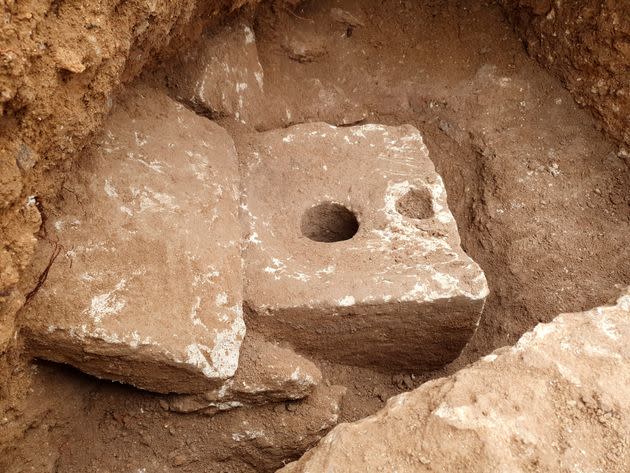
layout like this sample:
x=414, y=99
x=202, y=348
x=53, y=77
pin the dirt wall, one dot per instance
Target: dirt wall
x=586, y=43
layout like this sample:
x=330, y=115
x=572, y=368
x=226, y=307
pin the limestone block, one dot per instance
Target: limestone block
x=147, y=286
x=224, y=77
x=559, y=400
x=266, y=373
x=351, y=251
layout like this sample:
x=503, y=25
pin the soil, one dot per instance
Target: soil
x=586, y=45
x=541, y=197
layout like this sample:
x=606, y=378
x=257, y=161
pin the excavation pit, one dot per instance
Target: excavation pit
x=539, y=190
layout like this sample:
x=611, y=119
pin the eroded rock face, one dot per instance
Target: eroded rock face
x=351, y=252
x=62, y=65
x=224, y=77
x=558, y=400
x=266, y=373
x=146, y=286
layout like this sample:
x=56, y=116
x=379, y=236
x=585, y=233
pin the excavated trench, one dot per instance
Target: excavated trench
x=540, y=195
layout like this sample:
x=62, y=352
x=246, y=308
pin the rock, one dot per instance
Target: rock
x=318, y=101
x=147, y=287
x=402, y=382
x=224, y=78
x=558, y=400
x=266, y=373
x=328, y=103
x=69, y=60
x=268, y=438
x=363, y=265
x=26, y=157
x=304, y=48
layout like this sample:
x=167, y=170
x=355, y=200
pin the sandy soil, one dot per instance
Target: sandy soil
x=541, y=198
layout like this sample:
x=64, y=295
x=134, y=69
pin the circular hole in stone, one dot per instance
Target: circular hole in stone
x=416, y=203
x=329, y=222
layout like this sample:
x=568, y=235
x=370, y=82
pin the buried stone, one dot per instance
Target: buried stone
x=224, y=76
x=146, y=288
x=363, y=265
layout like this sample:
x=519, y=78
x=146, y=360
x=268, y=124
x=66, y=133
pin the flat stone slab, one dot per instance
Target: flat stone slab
x=147, y=288
x=559, y=400
x=351, y=251
x=266, y=373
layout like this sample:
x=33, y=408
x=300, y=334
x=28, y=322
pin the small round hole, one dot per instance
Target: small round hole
x=417, y=203
x=329, y=222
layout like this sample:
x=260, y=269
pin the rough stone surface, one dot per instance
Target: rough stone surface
x=320, y=98
x=61, y=65
x=223, y=77
x=400, y=292
x=269, y=436
x=556, y=401
x=266, y=373
x=49, y=114
x=146, y=287
x=321, y=101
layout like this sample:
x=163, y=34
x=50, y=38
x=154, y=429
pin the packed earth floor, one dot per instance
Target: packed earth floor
x=540, y=196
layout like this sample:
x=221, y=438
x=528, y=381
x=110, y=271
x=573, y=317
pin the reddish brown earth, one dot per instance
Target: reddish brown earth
x=586, y=45
x=541, y=197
